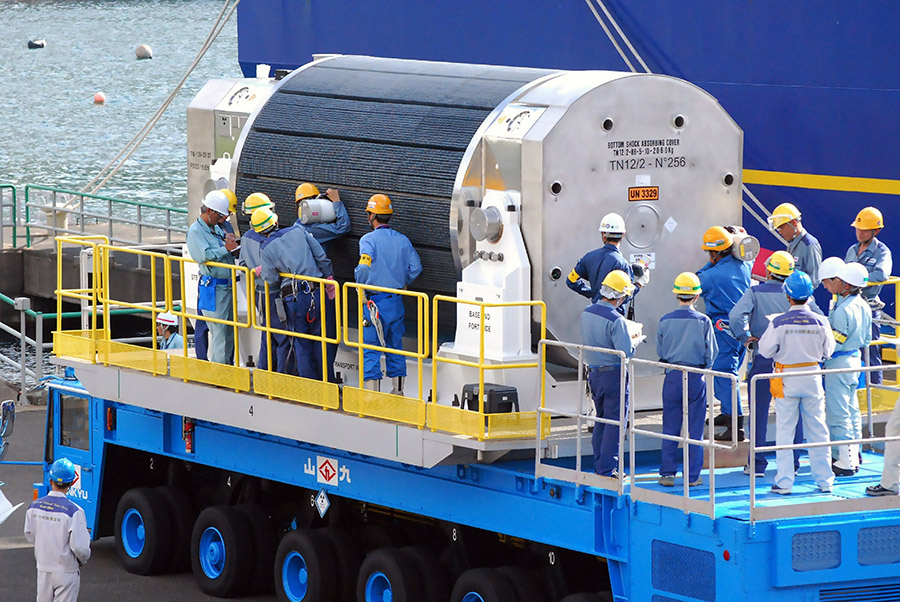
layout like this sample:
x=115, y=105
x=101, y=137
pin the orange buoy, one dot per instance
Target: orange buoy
x=99, y=98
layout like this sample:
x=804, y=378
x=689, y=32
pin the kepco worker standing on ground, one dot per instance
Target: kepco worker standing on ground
x=724, y=279
x=57, y=528
x=875, y=256
x=251, y=243
x=590, y=271
x=684, y=337
x=603, y=326
x=386, y=259
x=798, y=340
x=803, y=246
x=851, y=324
x=167, y=329
x=208, y=243
x=748, y=321
x=325, y=232
x=294, y=251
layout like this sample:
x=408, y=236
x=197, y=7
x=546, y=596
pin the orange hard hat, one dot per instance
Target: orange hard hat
x=379, y=204
x=305, y=191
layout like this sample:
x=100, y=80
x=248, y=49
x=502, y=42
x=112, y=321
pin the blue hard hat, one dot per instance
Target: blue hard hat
x=798, y=286
x=62, y=472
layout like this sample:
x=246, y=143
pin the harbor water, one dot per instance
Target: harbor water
x=53, y=134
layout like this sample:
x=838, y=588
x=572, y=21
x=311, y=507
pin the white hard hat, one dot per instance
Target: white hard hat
x=167, y=319
x=832, y=267
x=856, y=275
x=612, y=223
x=217, y=201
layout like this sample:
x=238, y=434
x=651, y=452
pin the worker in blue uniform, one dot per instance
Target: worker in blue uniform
x=587, y=277
x=724, y=279
x=201, y=328
x=875, y=256
x=798, y=340
x=802, y=245
x=167, y=329
x=293, y=251
x=208, y=243
x=851, y=325
x=386, y=259
x=684, y=338
x=251, y=243
x=603, y=326
x=325, y=230
x=748, y=320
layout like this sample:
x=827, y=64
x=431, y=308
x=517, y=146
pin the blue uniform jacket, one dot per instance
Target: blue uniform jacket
x=293, y=251
x=851, y=324
x=603, y=326
x=593, y=268
x=207, y=244
x=723, y=284
x=749, y=318
x=387, y=259
x=325, y=232
x=807, y=254
x=685, y=337
x=251, y=245
x=175, y=341
x=877, y=259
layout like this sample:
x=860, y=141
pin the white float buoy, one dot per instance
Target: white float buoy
x=33, y=44
x=99, y=98
x=143, y=52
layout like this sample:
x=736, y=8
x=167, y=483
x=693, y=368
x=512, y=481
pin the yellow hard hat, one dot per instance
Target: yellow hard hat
x=232, y=199
x=379, y=204
x=619, y=281
x=255, y=201
x=783, y=214
x=717, y=238
x=263, y=219
x=868, y=219
x=687, y=283
x=305, y=191
x=780, y=262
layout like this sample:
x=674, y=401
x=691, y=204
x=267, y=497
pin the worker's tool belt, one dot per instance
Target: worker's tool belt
x=380, y=296
x=776, y=385
x=602, y=368
x=206, y=291
x=292, y=288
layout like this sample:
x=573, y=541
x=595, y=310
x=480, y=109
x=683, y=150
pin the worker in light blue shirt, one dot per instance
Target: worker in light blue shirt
x=587, y=277
x=724, y=279
x=208, y=243
x=851, y=324
x=167, y=329
x=251, y=244
x=685, y=338
x=802, y=245
x=325, y=229
x=875, y=256
x=386, y=259
x=294, y=251
x=748, y=321
x=603, y=326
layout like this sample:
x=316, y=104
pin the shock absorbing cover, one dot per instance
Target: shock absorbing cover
x=365, y=125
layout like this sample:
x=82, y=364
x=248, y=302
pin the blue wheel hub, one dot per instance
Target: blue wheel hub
x=212, y=553
x=472, y=597
x=378, y=588
x=133, y=533
x=295, y=577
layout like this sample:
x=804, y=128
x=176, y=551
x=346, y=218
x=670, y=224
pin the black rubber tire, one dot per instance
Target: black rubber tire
x=183, y=515
x=524, y=586
x=262, y=532
x=435, y=587
x=487, y=583
x=155, y=556
x=238, y=545
x=400, y=570
x=586, y=597
x=347, y=562
x=315, y=550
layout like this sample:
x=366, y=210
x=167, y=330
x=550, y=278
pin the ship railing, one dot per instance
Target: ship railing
x=683, y=499
x=9, y=219
x=825, y=505
x=377, y=404
x=482, y=424
x=274, y=384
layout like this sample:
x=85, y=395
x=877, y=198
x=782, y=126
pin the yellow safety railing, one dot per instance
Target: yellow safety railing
x=286, y=386
x=479, y=424
x=135, y=356
x=366, y=402
x=81, y=344
x=192, y=369
x=883, y=400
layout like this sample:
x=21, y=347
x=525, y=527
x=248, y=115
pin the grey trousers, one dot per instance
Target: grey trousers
x=58, y=587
